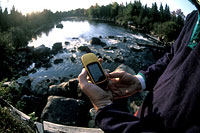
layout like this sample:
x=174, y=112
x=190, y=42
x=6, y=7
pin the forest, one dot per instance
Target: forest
x=17, y=29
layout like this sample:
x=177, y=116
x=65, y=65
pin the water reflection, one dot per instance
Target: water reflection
x=83, y=31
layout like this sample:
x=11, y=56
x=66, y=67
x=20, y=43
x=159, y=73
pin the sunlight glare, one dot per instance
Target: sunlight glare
x=29, y=6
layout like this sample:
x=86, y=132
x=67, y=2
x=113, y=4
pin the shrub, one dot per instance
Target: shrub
x=167, y=29
x=10, y=124
x=12, y=94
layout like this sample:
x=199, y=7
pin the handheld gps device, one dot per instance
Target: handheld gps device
x=94, y=70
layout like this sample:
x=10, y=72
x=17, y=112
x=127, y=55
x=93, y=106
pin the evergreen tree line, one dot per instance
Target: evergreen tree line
x=20, y=28
x=157, y=20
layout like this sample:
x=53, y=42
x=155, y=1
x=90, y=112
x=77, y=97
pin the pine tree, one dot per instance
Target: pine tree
x=161, y=13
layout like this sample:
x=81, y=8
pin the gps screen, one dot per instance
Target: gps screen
x=96, y=72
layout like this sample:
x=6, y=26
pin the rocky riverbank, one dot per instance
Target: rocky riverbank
x=56, y=97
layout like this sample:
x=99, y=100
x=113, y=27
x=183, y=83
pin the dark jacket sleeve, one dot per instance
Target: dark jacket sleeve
x=194, y=129
x=113, y=119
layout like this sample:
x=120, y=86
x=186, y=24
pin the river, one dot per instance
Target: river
x=80, y=32
x=84, y=31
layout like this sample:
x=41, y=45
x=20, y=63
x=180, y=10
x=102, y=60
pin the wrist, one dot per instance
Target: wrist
x=101, y=104
x=141, y=79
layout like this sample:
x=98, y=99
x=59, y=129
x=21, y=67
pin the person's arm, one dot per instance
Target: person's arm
x=113, y=119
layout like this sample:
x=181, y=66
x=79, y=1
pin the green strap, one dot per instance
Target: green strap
x=142, y=76
x=193, y=40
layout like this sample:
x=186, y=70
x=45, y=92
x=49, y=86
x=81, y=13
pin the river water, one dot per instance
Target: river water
x=84, y=31
x=78, y=33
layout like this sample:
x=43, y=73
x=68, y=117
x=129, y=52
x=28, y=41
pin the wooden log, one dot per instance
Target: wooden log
x=154, y=39
x=57, y=128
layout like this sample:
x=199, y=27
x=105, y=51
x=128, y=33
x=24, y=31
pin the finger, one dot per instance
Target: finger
x=107, y=72
x=100, y=60
x=116, y=74
x=83, y=76
x=109, y=83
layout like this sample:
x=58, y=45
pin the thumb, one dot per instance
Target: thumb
x=83, y=77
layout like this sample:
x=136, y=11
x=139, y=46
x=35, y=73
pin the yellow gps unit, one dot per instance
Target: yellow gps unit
x=94, y=69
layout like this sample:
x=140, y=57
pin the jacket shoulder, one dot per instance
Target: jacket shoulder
x=191, y=15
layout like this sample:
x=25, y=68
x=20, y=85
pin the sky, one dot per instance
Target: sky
x=28, y=6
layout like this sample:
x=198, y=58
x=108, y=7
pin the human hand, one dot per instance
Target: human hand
x=99, y=97
x=123, y=84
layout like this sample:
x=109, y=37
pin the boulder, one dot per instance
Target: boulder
x=25, y=84
x=31, y=104
x=119, y=59
x=67, y=89
x=57, y=47
x=124, y=39
x=84, y=49
x=75, y=38
x=59, y=26
x=45, y=62
x=66, y=111
x=41, y=52
x=73, y=59
x=67, y=43
x=40, y=86
x=111, y=37
x=57, y=61
x=73, y=50
x=140, y=61
x=97, y=41
x=107, y=59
